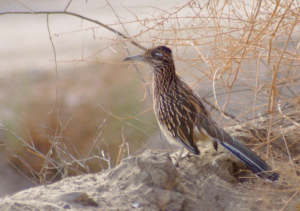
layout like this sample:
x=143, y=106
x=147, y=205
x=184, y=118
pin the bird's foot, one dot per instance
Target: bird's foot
x=181, y=156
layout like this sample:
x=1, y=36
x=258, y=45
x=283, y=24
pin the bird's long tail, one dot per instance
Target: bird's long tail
x=251, y=160
x=257, y=165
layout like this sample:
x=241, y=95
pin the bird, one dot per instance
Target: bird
x=183, y=118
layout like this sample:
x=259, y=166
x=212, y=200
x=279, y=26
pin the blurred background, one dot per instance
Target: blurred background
x=70, y=106
x=42, y=106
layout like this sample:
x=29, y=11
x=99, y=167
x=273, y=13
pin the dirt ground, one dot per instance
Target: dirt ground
x=150, y=181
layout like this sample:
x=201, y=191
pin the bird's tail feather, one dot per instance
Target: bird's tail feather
x=251, y=160
x=257, y=165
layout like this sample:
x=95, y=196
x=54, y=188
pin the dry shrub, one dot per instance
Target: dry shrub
x=78, y=136
x=243, y=54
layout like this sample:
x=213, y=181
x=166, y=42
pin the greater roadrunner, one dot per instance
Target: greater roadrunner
x=183, y=118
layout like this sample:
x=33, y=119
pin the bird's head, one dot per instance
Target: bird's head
x=160, y=56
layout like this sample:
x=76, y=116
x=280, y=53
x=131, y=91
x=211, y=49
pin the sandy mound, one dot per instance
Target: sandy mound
x=215, y=181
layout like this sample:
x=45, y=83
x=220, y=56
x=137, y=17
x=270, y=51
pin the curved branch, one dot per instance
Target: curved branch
x=82, y=17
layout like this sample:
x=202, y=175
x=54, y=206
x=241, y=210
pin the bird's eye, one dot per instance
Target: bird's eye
x=155, y=54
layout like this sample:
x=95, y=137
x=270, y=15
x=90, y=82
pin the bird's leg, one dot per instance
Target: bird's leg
x=187, y=154
x=179, y=157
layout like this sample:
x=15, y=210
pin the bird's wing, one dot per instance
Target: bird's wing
x=178, y=116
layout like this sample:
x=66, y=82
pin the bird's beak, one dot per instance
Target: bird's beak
x=135, y=58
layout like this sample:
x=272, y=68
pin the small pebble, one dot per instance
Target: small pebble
x=136, y=205
x=66, y=206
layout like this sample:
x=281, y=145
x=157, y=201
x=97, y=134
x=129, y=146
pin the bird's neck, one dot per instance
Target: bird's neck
x=164, y=79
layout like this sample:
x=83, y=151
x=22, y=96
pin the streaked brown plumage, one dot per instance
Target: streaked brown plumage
x=183, y=118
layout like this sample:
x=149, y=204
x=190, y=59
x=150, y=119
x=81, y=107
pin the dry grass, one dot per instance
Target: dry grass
x=78, y=137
